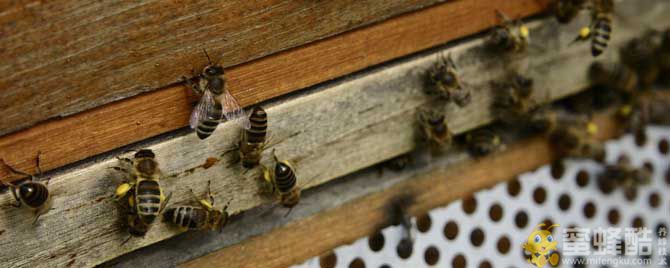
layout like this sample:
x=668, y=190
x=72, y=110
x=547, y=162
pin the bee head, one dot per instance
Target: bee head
x=212, y=71
x=145, y=153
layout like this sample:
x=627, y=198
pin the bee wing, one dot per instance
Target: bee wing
x=232, y=110
x=200, y=112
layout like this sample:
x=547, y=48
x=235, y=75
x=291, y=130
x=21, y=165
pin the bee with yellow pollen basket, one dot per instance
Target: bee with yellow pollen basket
x=542, y=247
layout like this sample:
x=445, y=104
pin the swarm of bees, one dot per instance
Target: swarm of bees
x=33, y=193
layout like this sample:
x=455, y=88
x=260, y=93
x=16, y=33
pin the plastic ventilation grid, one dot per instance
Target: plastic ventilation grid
x=488, y=229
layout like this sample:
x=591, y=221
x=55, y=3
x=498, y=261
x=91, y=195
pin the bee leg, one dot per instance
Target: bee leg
x=164, y=202
x=194, y=86
x=288, y=212
x=37, y=215
x=209, y=193
x=126, y=240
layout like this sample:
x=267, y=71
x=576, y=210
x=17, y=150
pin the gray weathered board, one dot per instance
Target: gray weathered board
x=328, y=131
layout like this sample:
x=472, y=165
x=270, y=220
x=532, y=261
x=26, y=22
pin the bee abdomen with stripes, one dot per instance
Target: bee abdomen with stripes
x=148, y=200
x=602, y=29
x=187, y=217
x=253, y=139
x=207, y=126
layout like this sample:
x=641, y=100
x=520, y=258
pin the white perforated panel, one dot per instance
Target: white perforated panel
x=573, y=199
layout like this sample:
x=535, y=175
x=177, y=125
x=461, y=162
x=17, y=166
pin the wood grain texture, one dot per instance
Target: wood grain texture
x=328, y=132
x=63, y=57
x=446, y=179
x=102, y=129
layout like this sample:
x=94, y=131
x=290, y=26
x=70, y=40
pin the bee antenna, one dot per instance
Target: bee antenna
x=207, y=55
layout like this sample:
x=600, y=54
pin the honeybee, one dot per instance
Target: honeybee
x=141, y=193
x=664, y=56
x=281, y=182
x=615, y=76
x=203, y=217
x=398, y=214
x=634, y=118
x=399, y=163
x=624, y=174
x=33, y=193
x=575, y=140
x=566, y=10
x=483, y=141
x=434, y=129
x=510, y=36
x=643, y=56
x=216, y=102
x=600, y=30
x=513, y=102
x=445, y=82
x=253, y=140
x=543, y=120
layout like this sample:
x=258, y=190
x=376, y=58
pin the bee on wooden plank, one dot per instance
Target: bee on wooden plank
x=216, y=102
x=643, y=55
x=576, y=140
x=253, y=140
x=281, y=182
x=614, y=76
x=445, y=83
x=434, y=129
x=600, y=30
x=141, y=193
x=634, y=118
x=33, y=193
x=398, y=214
x=483, y=141
x=203, y=217
x=566, y=10
x=512, y=103
x=509, y=36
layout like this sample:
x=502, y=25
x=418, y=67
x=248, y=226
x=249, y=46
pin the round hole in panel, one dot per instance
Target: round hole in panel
x=496, y=212
x=613, y=216
x=557, y=169
x=404, y=248
x=649, y=166
x=423, y=223
x=539, y=195
x=459, y=261
x=582, y=178
x=564, y=202
x=521, y=219
x=385, y=266
x=477, y=237
x=514, y=187
x=376, y=241
x=450, y=230
x=638, y=222
x=328, y=260
x=469, y=204
x=357, y=263
x=485, y=264
x=589, y=210
x=641, y=137
x=663, y=146
x=503, y=245
x=654, y=200
x=432, y=255
x=630, y=194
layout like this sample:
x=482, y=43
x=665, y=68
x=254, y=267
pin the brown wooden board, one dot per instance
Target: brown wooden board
x=107, y=127
x=63, y=57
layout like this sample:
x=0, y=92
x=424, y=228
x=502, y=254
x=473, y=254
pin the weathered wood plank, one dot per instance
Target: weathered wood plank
x=83, y=135
x=99, y=52
x=445, y=179
x=331, y=199
x=328, y=132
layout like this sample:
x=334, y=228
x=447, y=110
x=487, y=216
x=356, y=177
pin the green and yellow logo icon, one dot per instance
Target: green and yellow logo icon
x=542, y=247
